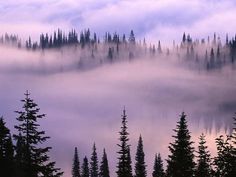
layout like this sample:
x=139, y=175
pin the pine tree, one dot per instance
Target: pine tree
x=124, y=159
x=6, y=151
x=140, y=167
x=204, y=160
x=132, y=37
x=94, y=163
x=158, y=170
x=225, y=160
x=85, y=168
x=20, y=162
x=180, y=162
x=36, y=161
x=104, y=168
x=76, y=164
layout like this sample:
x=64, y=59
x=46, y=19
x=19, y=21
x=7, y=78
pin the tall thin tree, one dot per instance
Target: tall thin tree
x=204, y=159
x=181, y=159
x=6, y=151
x=94, y=163
x=140, y=166
x=104, y=168
x=158, y=170
x=85, y=168
x=124, y=159
x=76, y=164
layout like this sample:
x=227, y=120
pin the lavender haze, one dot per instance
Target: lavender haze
x=85, y=106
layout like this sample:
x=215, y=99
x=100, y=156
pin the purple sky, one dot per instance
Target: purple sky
x=85, y=107
x=153, y=19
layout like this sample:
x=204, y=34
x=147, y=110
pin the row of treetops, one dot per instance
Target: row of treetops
x=28, y=157
x=60, y=39
x=211, y=53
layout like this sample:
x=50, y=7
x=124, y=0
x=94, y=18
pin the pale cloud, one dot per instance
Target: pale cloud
x=155, y=19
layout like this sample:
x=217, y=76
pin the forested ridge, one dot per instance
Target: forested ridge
x=213, y=52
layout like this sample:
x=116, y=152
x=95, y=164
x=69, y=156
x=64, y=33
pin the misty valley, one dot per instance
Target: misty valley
x=80, y=83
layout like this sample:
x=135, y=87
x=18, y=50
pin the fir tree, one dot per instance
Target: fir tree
x=36, y=161
x=132, y=37
x=140, y=167
x=104, y=168
x=124, y=159
x=20, y=162
x=225, y=160
x=6, y=151
x=180, y=161
x=85, y=168
x=158, y=170
x=76, y=164
x=204, y=160
x=94, y=163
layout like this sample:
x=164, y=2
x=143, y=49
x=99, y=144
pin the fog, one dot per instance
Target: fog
x=84, y=106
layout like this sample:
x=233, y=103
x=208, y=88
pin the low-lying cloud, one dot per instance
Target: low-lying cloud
x=83, y=107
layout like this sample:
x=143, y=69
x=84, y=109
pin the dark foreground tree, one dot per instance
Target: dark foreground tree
x=6, y=151
x=204, y=159
x=124, y=159
x=180, y=162
x=158, y=170
x=94, y=163
x=85, y=168
x=35, y=160
x=140, y=166
x=104, y=168
x=225, y=161
x=76, y=164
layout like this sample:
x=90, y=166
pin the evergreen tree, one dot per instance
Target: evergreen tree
x=225, y=160
x=94, y=163
x=180, y=162
x=124, y=159
x=76, y=164
x=140, y=167
x=85, y=168
x=104, y=168
x=158, y=170
x=20, y=161
x=6, y=151
x=132, y=37
x=204, y=160
x=36, y=161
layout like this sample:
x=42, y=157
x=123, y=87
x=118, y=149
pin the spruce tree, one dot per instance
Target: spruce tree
x=36, y=160
x=94, y=163
x=6, y=151
x=158, y=170
x=204, y=160
x=85, y=168
x=104, y=168
x=225, y=160
x=76, y=164
x=20, y=150
x=180, y=162
x=140, y=166
x=124, y=159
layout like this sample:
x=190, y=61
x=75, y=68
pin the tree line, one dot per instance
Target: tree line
x=29, y=158
x=181, y=162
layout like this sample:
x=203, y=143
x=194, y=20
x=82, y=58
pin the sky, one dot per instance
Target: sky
x=86, y=107
x=164, y=20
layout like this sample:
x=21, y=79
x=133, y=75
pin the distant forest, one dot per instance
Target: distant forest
x=210, y=53
x=23, y=154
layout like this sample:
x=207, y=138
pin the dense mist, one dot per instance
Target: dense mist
x=83, y=97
